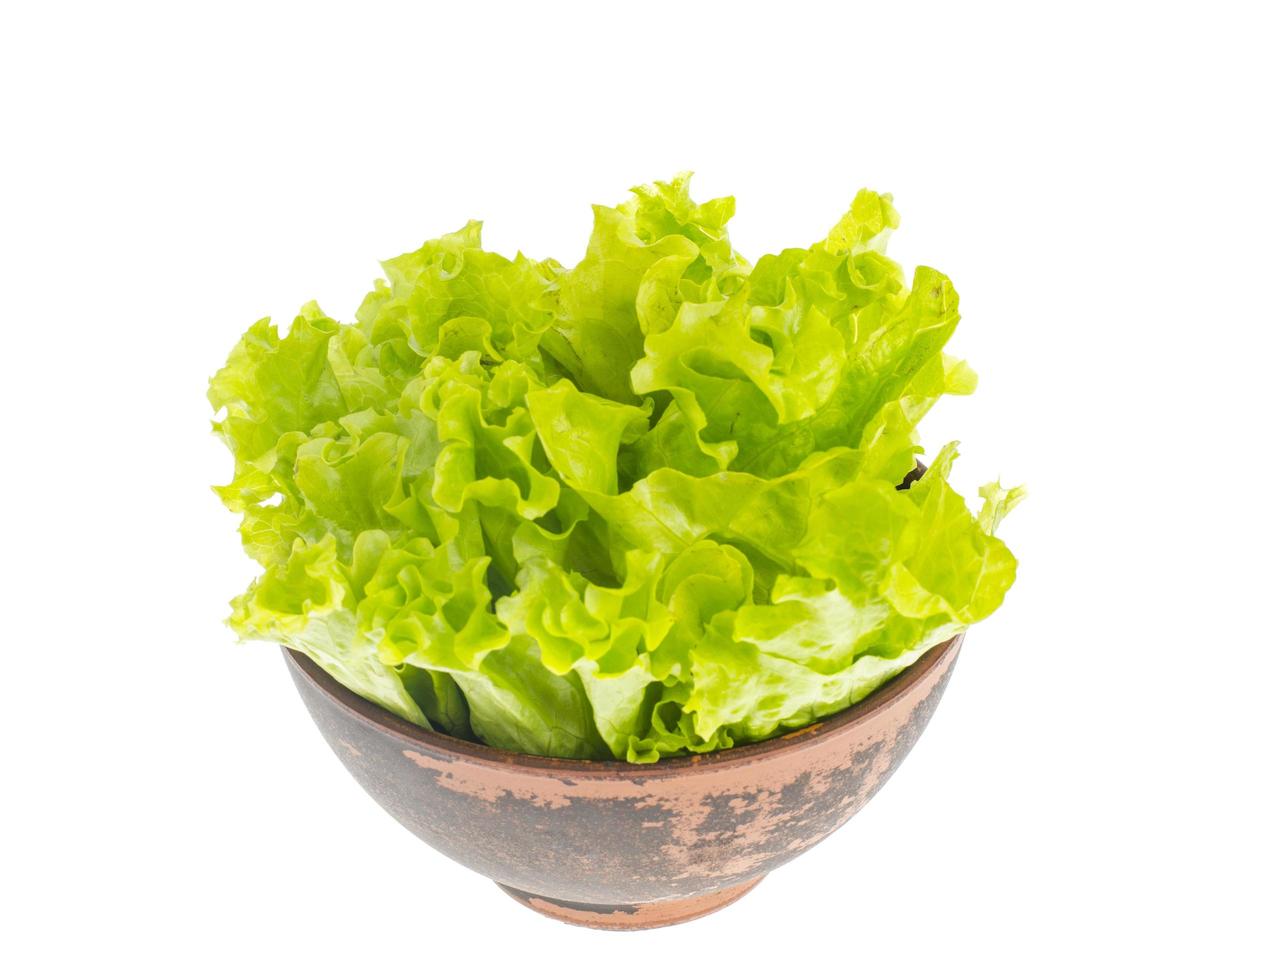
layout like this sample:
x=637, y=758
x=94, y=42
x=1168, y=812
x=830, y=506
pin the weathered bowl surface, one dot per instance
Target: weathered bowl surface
x=622, y=846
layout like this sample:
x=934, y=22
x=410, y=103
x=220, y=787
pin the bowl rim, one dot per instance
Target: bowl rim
x=485, y=756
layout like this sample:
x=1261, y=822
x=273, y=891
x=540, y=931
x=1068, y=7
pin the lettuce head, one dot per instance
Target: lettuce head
x=641, y=507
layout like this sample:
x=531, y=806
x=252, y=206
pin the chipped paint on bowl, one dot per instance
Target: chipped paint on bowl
x=617, y=845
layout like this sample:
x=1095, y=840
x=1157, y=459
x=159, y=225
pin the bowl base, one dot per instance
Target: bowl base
x=648, y=915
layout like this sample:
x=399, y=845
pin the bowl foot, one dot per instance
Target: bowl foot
x=648, y=915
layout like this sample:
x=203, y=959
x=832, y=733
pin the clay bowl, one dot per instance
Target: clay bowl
x=615, y=845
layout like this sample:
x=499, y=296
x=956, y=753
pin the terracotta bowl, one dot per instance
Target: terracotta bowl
x=616, y=845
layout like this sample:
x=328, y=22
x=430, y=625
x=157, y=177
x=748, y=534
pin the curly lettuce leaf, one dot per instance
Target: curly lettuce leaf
x=643, y=507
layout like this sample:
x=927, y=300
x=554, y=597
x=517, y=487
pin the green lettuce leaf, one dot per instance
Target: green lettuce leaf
x=642, y=507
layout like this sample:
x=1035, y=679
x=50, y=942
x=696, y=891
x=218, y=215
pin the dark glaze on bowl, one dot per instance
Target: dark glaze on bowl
x=616, y=845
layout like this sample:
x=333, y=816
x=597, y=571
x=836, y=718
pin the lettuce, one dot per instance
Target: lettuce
x=638, y=508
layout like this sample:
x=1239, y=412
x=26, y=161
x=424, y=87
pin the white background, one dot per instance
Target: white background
x=1088, y=800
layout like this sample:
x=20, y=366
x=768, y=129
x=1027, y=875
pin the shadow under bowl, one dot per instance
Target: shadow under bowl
x=618, y=845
